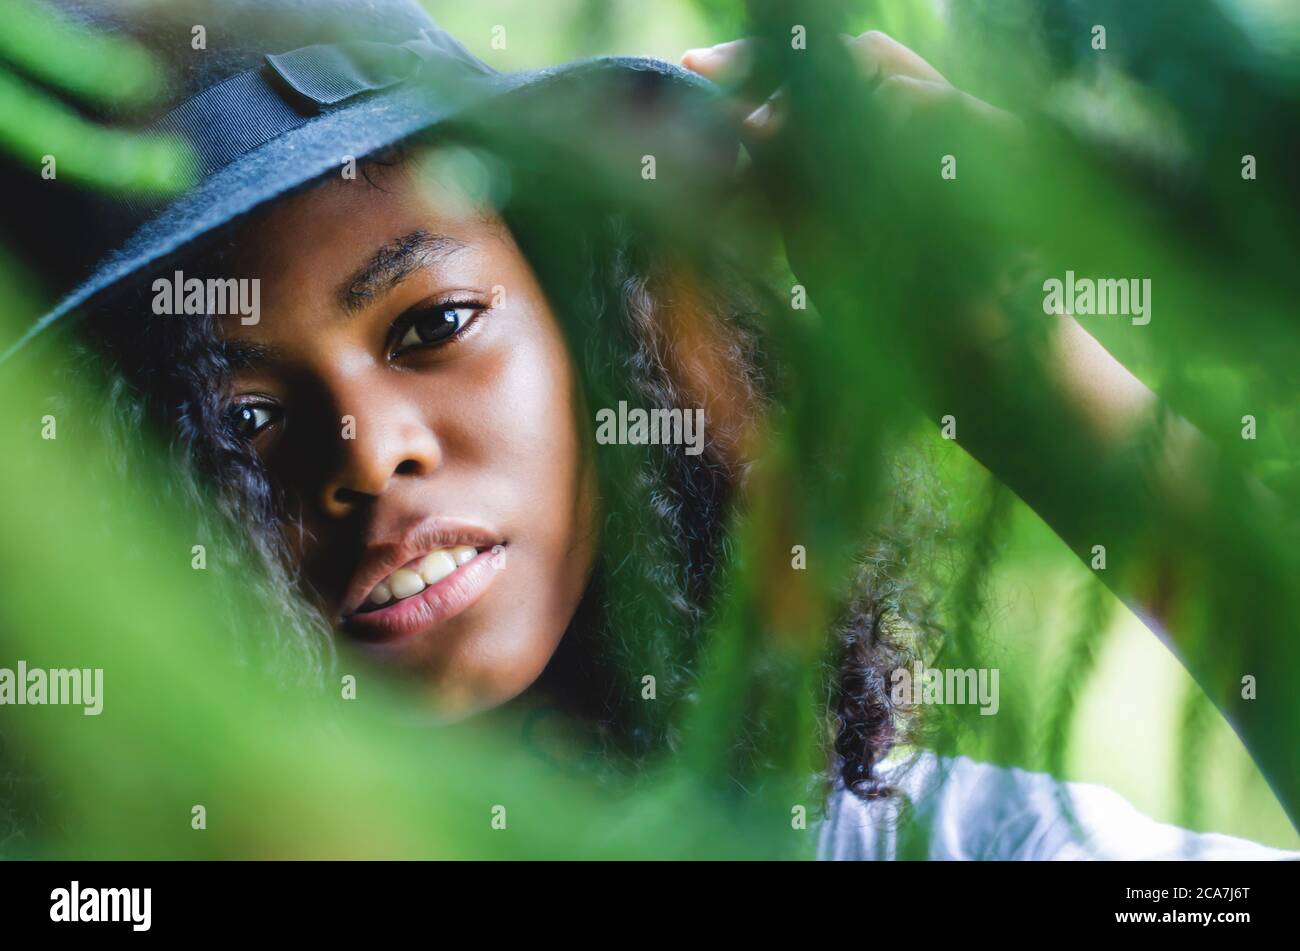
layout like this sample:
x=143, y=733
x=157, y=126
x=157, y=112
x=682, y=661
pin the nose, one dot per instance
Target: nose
x=376, y=448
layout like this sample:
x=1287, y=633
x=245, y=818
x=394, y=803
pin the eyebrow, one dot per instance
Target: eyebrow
x=387, y=267
x=244, y=355
x=393, y=263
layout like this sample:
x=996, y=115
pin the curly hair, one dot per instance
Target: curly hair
x=645, y=331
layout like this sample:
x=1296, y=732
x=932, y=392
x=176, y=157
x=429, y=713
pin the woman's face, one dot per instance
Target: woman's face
x=411, y=393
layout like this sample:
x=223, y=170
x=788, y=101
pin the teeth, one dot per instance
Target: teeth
x=405, y=582
x=437, y=565
x=382, y=593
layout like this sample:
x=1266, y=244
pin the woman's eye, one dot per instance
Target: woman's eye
x=249, y=419
x=435, y=325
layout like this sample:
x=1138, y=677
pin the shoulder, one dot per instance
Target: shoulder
x=957, y=808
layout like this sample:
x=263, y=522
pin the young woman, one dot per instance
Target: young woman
x=403, y=427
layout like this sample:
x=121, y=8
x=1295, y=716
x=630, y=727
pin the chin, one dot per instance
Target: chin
x=460, y=673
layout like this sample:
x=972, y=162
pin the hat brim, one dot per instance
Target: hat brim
x=304, y=155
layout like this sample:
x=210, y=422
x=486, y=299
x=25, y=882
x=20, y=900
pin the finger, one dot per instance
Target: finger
x=904, y=97
x=765, y=121
x=881, y=56
x=729, y=63
x=722, y=63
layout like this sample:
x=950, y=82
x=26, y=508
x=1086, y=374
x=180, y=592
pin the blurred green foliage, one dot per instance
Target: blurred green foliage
x=43, y=56
x=1132, y=167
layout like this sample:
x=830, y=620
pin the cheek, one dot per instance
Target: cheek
x=523, y=417
x=527, y=420
x=530, y=399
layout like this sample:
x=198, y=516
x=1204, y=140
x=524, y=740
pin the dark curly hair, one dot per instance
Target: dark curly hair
x=648, y=328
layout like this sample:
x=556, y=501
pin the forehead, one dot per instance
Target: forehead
x=341, y=246
x=332, y=230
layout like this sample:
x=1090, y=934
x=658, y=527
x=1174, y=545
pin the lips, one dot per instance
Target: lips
x=433, y=571
x=419, y=574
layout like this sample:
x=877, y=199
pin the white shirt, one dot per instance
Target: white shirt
x=971, y=810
